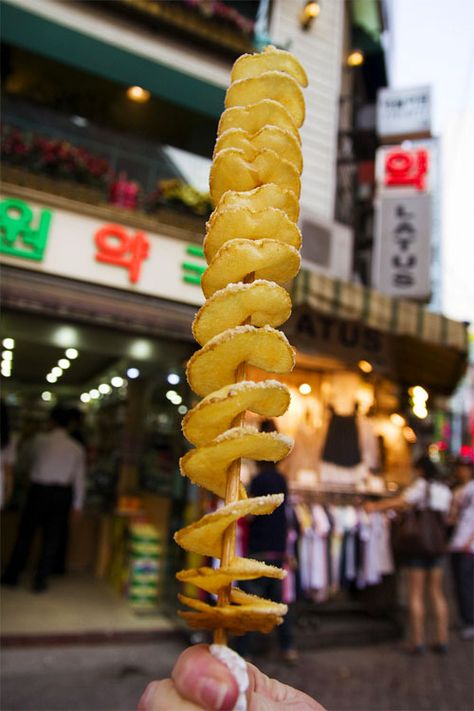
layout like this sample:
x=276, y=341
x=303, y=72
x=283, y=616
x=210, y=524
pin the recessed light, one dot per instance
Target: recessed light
x=173, y=379
x=64, y=363
x=57, y=371
x=85, y=397
x=133, y=373
x=51, y=378
x=105, y=389
x=117, y=381
x=8, y=343
x=46, y=395
x=72, y=353
x=94, y=393
x=7, y=355
x=138, y=94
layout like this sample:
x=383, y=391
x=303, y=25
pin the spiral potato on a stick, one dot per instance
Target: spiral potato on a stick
x=251, y=247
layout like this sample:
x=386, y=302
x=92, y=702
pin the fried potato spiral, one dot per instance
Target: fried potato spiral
x=251, y=247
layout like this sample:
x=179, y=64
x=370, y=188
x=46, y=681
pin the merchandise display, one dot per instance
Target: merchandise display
x=251, y=247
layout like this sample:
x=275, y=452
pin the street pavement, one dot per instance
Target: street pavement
x=111, y=677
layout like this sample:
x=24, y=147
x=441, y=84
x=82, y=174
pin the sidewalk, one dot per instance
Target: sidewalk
x=112, y=677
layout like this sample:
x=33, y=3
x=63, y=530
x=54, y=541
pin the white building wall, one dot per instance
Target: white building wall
x=320, y=52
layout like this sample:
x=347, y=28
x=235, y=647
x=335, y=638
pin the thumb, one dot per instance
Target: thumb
x=203, y=679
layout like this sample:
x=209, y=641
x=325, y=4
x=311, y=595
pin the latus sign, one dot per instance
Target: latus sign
x=57, y=241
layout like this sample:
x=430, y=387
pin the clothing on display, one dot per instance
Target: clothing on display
x=342, y=441
x=340, y=546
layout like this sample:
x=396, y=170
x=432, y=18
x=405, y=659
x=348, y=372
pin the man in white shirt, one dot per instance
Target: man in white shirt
x=57, y=484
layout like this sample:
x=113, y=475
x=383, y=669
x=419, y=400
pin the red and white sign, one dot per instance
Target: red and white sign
x=403, y=168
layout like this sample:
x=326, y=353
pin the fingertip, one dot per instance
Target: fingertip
x=202, y=678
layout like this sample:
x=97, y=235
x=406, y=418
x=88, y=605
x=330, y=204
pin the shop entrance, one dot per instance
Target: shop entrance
x=129, y=393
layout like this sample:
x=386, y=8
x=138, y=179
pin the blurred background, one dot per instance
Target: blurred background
x=109, y=117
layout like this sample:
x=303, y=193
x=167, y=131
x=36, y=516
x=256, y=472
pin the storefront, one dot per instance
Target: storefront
x=113, y=300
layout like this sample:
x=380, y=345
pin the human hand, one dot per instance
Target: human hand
x=200, y=681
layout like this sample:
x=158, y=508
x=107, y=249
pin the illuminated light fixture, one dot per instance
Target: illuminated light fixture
x=418, y=393
x=85, y=397
x=64, y=363
x=57, y=371
x=117, y=381
x=397, y=419
x=79, y=121
x=94, y=394
x=133, y=373
x=105, y=389
x=72, y=353
x=177, y=400
x=305, y=388
x=6, y=365
x=173, y=379
x=138, y=94
x=309, y=13
x=8, y=343
x=7, y=355
x=46, y=395
x=365, y=366
x=182, y=409
x=420, y=411
x=6, y=372
x=171, y=394
x=51, y=378
x=65, y=336
x=355, y=58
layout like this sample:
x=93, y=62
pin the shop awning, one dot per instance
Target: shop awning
x=416, y=345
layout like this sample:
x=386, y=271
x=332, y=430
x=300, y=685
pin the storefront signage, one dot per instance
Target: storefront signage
x=407, y=169
x=402, y=258
x=23, y=232
x=404, y=112
x=349, y=341
x=85, y=248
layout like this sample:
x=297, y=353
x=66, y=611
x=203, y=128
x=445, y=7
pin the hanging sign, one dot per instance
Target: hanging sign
x=402, y=260
x=404, y=112
x=403, y=168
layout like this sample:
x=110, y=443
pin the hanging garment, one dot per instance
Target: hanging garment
x=342, y=445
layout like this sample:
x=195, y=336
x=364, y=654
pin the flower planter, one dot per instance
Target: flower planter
x=57, y=186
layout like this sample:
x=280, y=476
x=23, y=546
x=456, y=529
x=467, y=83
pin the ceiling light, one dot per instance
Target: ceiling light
x=6, y=373
x=309, y=13
x=355, y=58
x=171, y=394
x=419, y=393
x=64, y=363
x=397, y=419
x=305, y=388
x=85, y=397
x=46, y=395
x=7, y=355
x=117, y=381
x=94, y=393
x=6, y=365
x=138, y=94
x=72, y=353
x=365, y=366
x=182, y=409
x=57, y=371
x=105, y=389
x=133, y=373
x=79, y=121
x=65, y=336
x=8, y=343
x=177, y=400
x=173, y=379
x=51, y=378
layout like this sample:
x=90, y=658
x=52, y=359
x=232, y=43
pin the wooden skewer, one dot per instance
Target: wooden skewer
x=231, y=495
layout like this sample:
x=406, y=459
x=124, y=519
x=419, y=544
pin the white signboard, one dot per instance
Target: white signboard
x=404, y=112
x=60, y=242
x=402, y=256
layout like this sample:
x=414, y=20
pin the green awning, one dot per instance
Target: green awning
x=43, y=36
x=425, y=347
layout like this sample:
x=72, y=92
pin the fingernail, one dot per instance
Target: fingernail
x=147, y=697
x=212, y=693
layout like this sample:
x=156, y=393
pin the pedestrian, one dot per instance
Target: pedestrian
x=267, y=541
x=462, y=545
x=200, y=681
x=56, y=485
x=426, y=492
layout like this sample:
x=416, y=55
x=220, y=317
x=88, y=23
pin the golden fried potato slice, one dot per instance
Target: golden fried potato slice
x=243, y=223
x=258, y=615
x=256, y=116
x=268, y=195
x=230, y=171
x=205, y=536
x=252, y=65
x=265, y=258
x=216, y=363
x=262, y=302
x=207, y=466
x=215, y=414
x=269, y=85
x=213, y=579
x=277, y=139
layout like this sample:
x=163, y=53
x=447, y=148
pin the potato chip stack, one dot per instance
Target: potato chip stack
x=251, y=247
